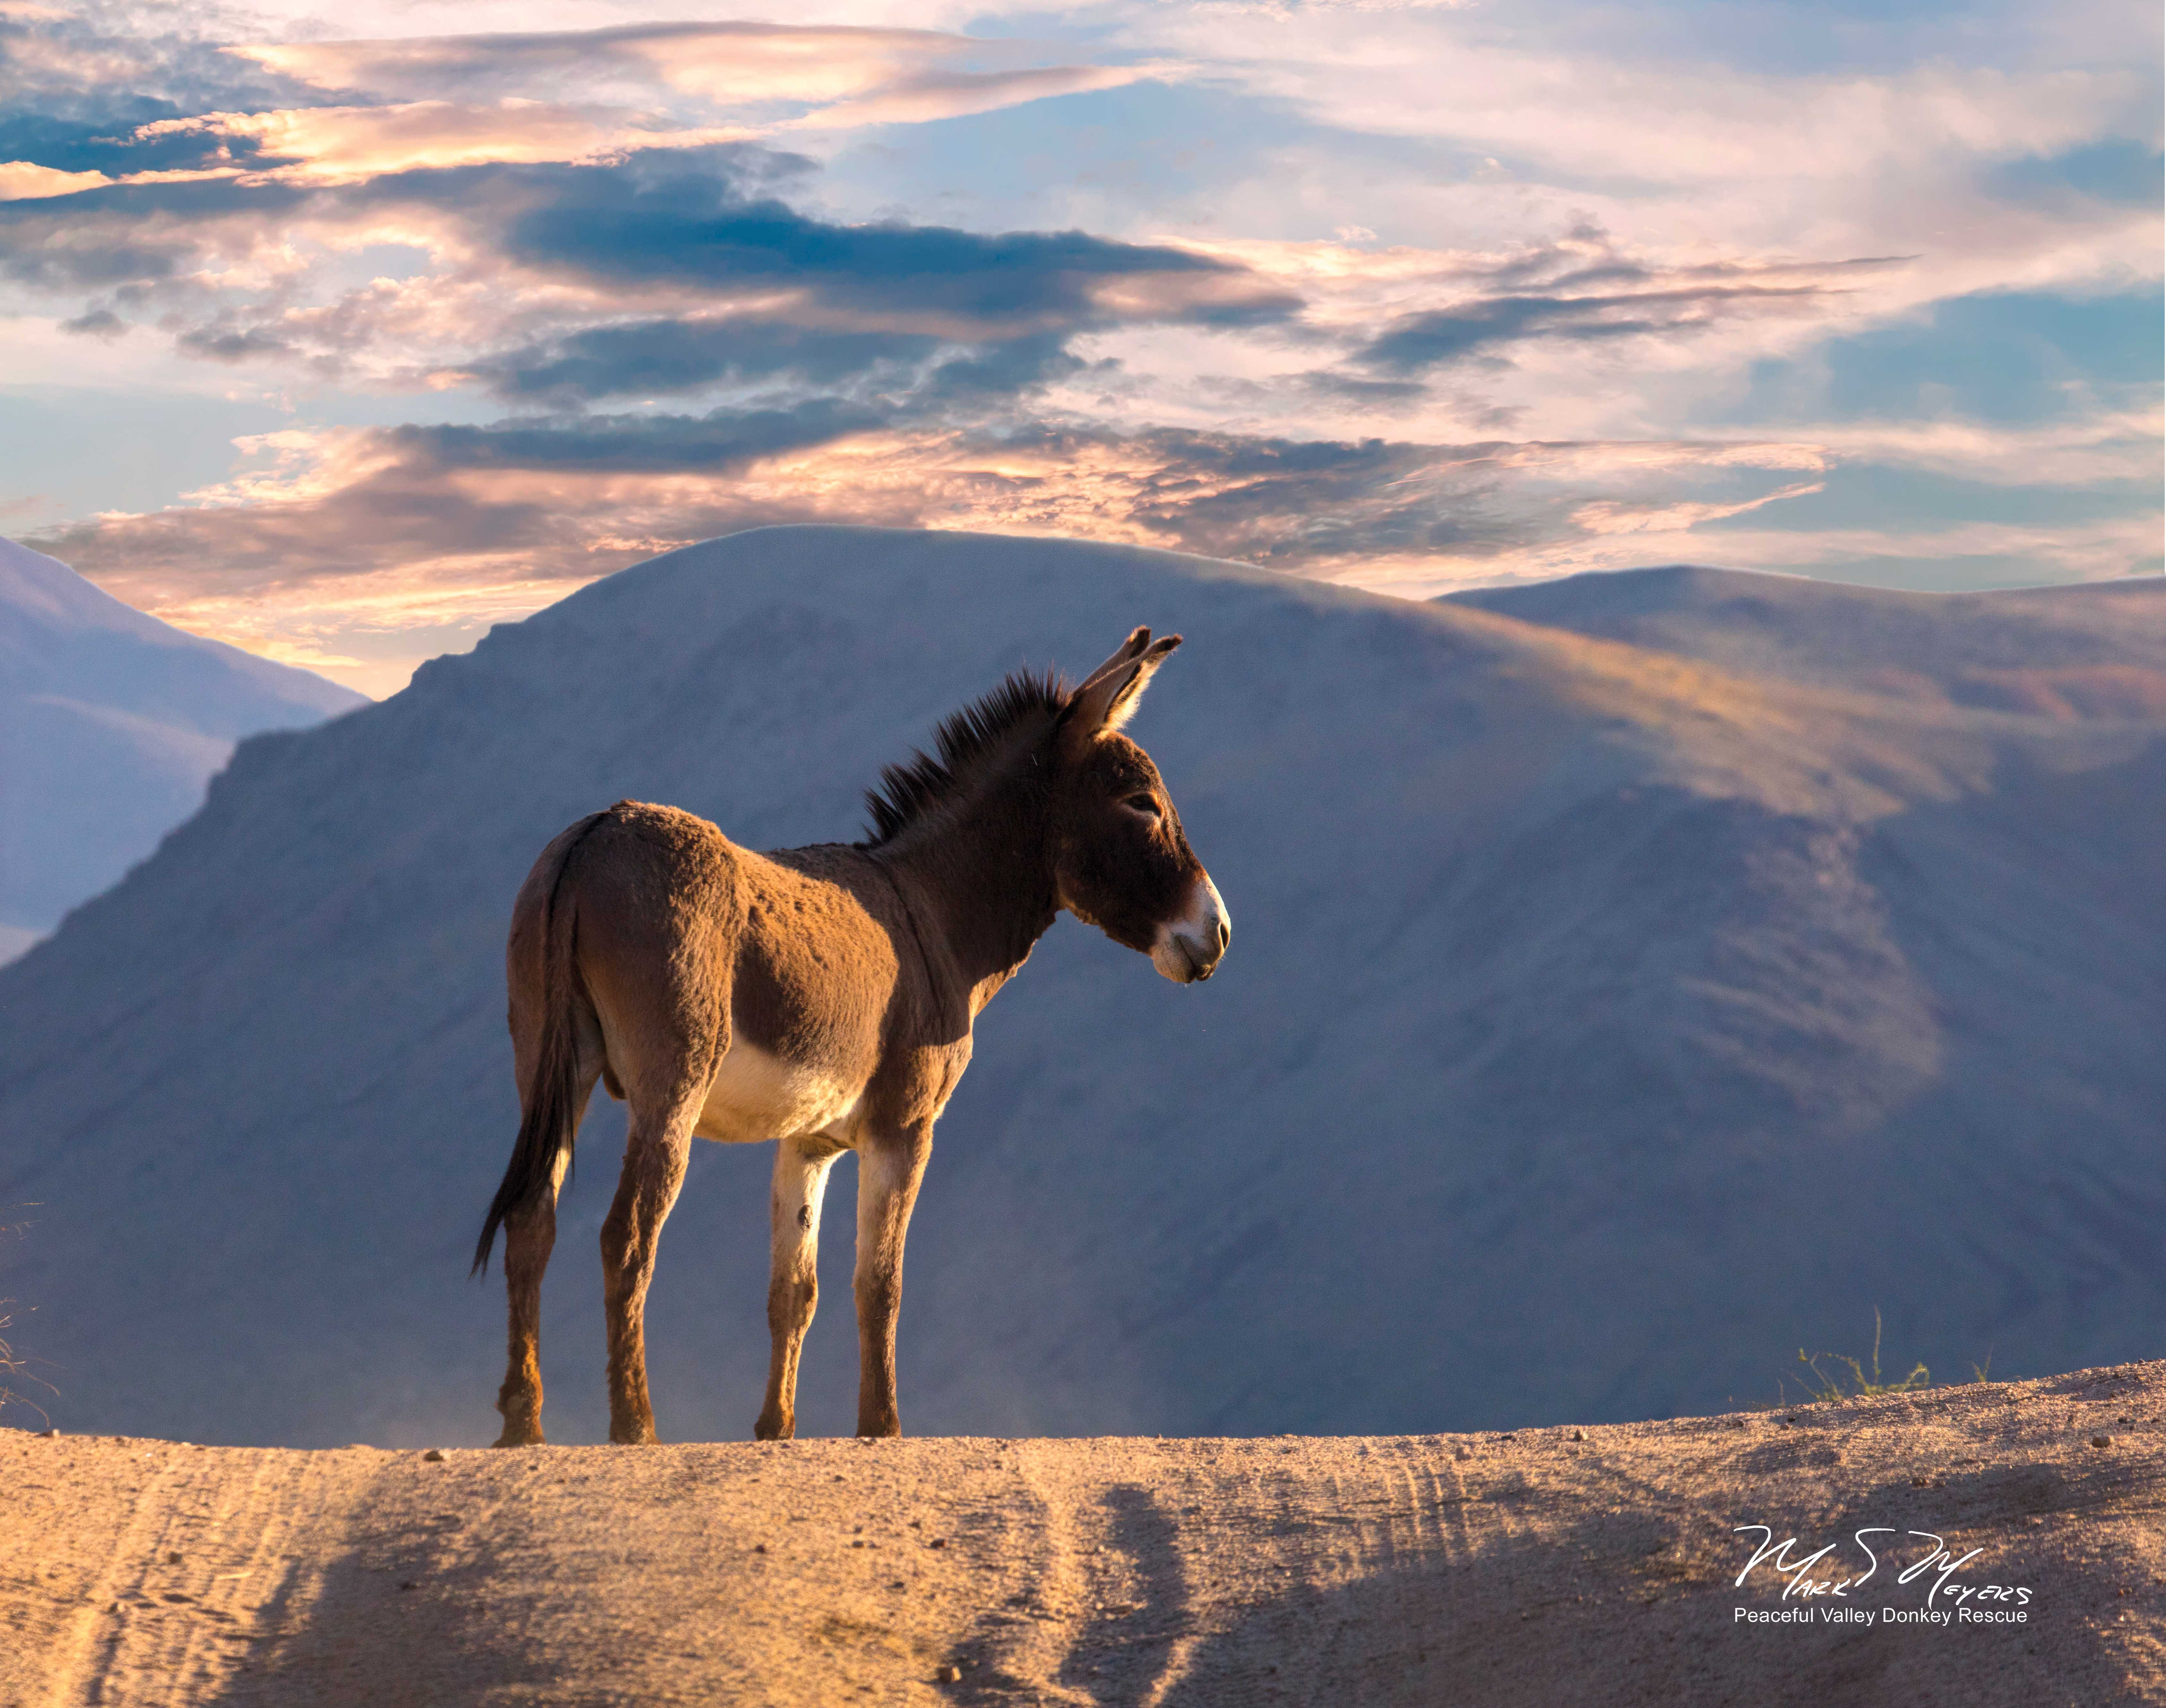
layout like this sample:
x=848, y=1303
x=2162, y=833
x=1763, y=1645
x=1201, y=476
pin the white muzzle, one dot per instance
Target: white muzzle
x=1189, y=949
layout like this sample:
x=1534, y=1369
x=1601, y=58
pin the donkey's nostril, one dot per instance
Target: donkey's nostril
x=1225, y=936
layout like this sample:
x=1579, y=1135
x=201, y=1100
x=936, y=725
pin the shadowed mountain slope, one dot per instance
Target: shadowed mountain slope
x=1602, y=1023
x=110, y=724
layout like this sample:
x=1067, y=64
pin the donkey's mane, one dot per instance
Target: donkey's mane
x=965, y=743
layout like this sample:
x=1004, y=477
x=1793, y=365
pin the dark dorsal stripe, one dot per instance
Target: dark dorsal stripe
x=1026, y=703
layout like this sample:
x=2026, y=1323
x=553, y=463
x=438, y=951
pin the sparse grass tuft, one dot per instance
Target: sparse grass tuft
x=1821, y=1387
x=13, y=1368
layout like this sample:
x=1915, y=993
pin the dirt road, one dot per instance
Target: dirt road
x=1553, y=1566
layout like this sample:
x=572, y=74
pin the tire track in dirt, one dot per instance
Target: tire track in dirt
x=1543, y=1566
x=95, y=1534
x=226, y=1559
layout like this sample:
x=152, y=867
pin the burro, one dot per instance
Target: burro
x=821, y=997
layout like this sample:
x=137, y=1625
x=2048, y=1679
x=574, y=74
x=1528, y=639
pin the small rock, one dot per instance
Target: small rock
x=435, y=1456
x=949, y=1676
x=938, y=1541
x=759, y=1547
x=410, y=1584
x=1579, y=1435
x=172, y=1557
x=2101, y=1441
x=50, y=1434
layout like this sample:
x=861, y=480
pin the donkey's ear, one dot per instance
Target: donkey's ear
x=1126, y=653
x=1130, y=696
x=1110, y=695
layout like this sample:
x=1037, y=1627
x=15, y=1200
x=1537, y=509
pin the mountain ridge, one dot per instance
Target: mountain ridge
x=1584, y=1048
x=111, y=723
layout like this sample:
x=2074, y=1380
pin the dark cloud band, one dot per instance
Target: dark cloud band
x=1475, y=329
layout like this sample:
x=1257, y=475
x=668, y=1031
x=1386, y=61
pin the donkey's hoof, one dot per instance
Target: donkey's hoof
x=770, y=1428
x=520, y=1436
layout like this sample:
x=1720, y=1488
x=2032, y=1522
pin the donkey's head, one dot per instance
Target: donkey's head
x=1120, y=860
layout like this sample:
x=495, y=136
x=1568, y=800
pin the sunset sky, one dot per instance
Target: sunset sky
x=342, y=340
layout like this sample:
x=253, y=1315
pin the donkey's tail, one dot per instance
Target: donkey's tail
x=548, y=1122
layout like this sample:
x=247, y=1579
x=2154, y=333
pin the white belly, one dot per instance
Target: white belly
x=756, y=1095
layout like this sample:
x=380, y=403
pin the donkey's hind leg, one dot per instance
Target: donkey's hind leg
x=793, y=1288
x=530, y=1234
x=655, y=1154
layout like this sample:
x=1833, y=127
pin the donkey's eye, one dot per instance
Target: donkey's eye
x=1143, y=803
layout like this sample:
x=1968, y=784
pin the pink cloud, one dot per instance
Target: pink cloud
x=341, y=144
x=841, y=76
x=340, y=542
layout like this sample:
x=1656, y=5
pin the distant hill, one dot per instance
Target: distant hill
x=2096, y=649
x=110, y=724
x=1603, y=1023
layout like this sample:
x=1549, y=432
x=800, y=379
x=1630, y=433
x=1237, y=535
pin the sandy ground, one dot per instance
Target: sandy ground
x=1553, y=1566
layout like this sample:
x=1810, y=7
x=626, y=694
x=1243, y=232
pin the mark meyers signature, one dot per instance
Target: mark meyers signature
x=1805, y=1581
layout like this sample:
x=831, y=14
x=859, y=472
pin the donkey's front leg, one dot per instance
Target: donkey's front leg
x=889, y=1170
x=793, y=1288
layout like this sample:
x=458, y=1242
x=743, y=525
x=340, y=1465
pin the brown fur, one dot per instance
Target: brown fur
x=822, y=996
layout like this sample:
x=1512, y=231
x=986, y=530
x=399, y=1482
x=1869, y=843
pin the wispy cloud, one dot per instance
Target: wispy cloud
x=725, y=62
x=25, y=181
x=777, y=75
x=412, y=525
x=1484, y=326
x=2120, y=445
x=1400, y=295
x=1610, y=516
x=344, y=144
